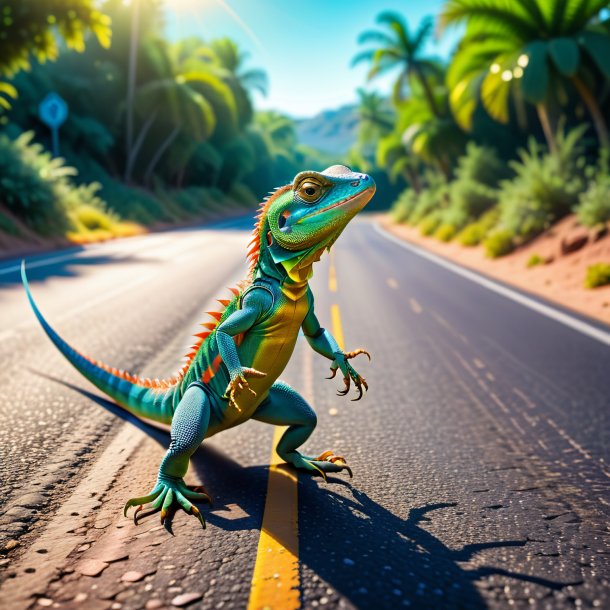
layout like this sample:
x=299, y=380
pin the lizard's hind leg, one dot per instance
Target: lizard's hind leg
x=189, y=425
x=284, y=406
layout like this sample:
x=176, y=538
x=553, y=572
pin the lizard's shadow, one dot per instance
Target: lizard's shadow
x=345, y=537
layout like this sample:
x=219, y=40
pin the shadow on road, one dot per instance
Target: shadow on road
x=69, y=267
x=365, y=552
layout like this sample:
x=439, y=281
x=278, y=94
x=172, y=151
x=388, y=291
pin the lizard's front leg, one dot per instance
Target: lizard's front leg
x=326, y=345
x=284, y=406
x=189, y=426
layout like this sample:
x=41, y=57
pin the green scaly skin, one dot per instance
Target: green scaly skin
x=233, y=371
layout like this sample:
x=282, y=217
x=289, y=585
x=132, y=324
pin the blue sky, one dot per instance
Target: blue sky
x=305, y=46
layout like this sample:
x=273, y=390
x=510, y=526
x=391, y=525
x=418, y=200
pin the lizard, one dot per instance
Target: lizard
x=232, y=372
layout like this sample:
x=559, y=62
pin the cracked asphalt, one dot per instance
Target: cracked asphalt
x=480, y=453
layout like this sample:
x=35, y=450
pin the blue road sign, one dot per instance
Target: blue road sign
x=53, y=111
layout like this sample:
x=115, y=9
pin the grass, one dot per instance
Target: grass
x=535, y=260
x=499, y=243
x=597, y=275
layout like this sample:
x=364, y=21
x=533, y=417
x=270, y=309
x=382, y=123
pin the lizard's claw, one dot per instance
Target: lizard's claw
x=239, y=384
x=169, y=495
x=333, y=372
x=345, y=390
x=357, y=352
x=326, y=462
x=349, y=373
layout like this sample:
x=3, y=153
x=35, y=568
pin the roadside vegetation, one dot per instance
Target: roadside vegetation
x=158, y=132
x=507, y=136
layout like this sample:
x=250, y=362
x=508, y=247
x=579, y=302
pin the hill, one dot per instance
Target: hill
x=330, y=131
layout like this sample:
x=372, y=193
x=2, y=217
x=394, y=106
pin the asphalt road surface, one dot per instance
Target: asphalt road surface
x=480, y=454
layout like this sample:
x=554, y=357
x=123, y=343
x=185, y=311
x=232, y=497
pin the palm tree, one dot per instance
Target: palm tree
x=231, y=59
x=526, y=48
x=171, y=103
x=374, y=113
x=400, y=49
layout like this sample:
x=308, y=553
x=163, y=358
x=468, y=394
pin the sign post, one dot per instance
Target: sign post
x=53, y=111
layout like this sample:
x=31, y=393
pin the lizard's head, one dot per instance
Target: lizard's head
x=301, y=219
x=317, y=206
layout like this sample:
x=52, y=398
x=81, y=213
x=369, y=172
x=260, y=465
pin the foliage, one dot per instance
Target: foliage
x=534, y=260
x=525, y=51
x=40, y=191
x=432, y=198
x=546, y=186
x=597, y=275
x=404, y=205
x=29, y=27
x=474, y=233
x=445, y=232
x=593, y=207
x=400, y=49
x=429, y=223
x=22, y=188
x=499, y=243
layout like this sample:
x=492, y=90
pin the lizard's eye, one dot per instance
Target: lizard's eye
x=309, y=191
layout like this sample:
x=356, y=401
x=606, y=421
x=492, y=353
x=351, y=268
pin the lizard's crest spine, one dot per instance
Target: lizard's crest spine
x=258, y=238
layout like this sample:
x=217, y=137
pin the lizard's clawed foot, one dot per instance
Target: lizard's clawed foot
x=239, y=384
x=169, y=495
x=324, y=463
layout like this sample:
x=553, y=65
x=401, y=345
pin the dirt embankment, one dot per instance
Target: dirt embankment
x=567, y=248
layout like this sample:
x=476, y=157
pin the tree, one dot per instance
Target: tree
x=231, y=59
x=526, y=49
x=28, y=30
x=401, y=50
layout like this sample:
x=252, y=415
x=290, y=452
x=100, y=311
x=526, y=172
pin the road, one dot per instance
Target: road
x=480, y=453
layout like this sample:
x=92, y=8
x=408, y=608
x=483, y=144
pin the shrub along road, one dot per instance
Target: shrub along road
x=480, y=453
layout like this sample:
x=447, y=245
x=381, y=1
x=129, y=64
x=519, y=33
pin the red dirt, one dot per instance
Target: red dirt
x=560, y=280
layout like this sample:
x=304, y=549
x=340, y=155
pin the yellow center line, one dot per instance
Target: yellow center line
x=332, y=273
x=337, y=328
x=275, y=582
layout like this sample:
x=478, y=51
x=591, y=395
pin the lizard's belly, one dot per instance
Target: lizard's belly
x=266, y=347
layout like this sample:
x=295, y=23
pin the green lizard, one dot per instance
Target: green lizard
x=231, y=374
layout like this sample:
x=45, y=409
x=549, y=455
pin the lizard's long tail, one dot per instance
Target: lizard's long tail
x=127, y=390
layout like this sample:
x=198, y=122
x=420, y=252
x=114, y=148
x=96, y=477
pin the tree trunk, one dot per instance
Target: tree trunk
x=131, y=77
x=593, y=107
x=133, y=154
x=413, y=179
x=427, y=91
x=157, y=156
x=549, y=134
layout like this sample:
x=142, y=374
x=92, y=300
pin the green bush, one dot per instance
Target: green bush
x=445, y=232
x=472, y=234
x=534, y=260
x=23, y=189
x=481, y=165
x=469, y=199
x=545, y=188
x=594, y=204
x=499, y=243
x=429, y=224
x=404, y=206
x=434, y=197
x=597, y=275
x=92, y=218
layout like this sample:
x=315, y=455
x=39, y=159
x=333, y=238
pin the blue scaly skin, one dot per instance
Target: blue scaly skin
x=232, y=372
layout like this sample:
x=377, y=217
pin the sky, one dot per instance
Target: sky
x=305, y=46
